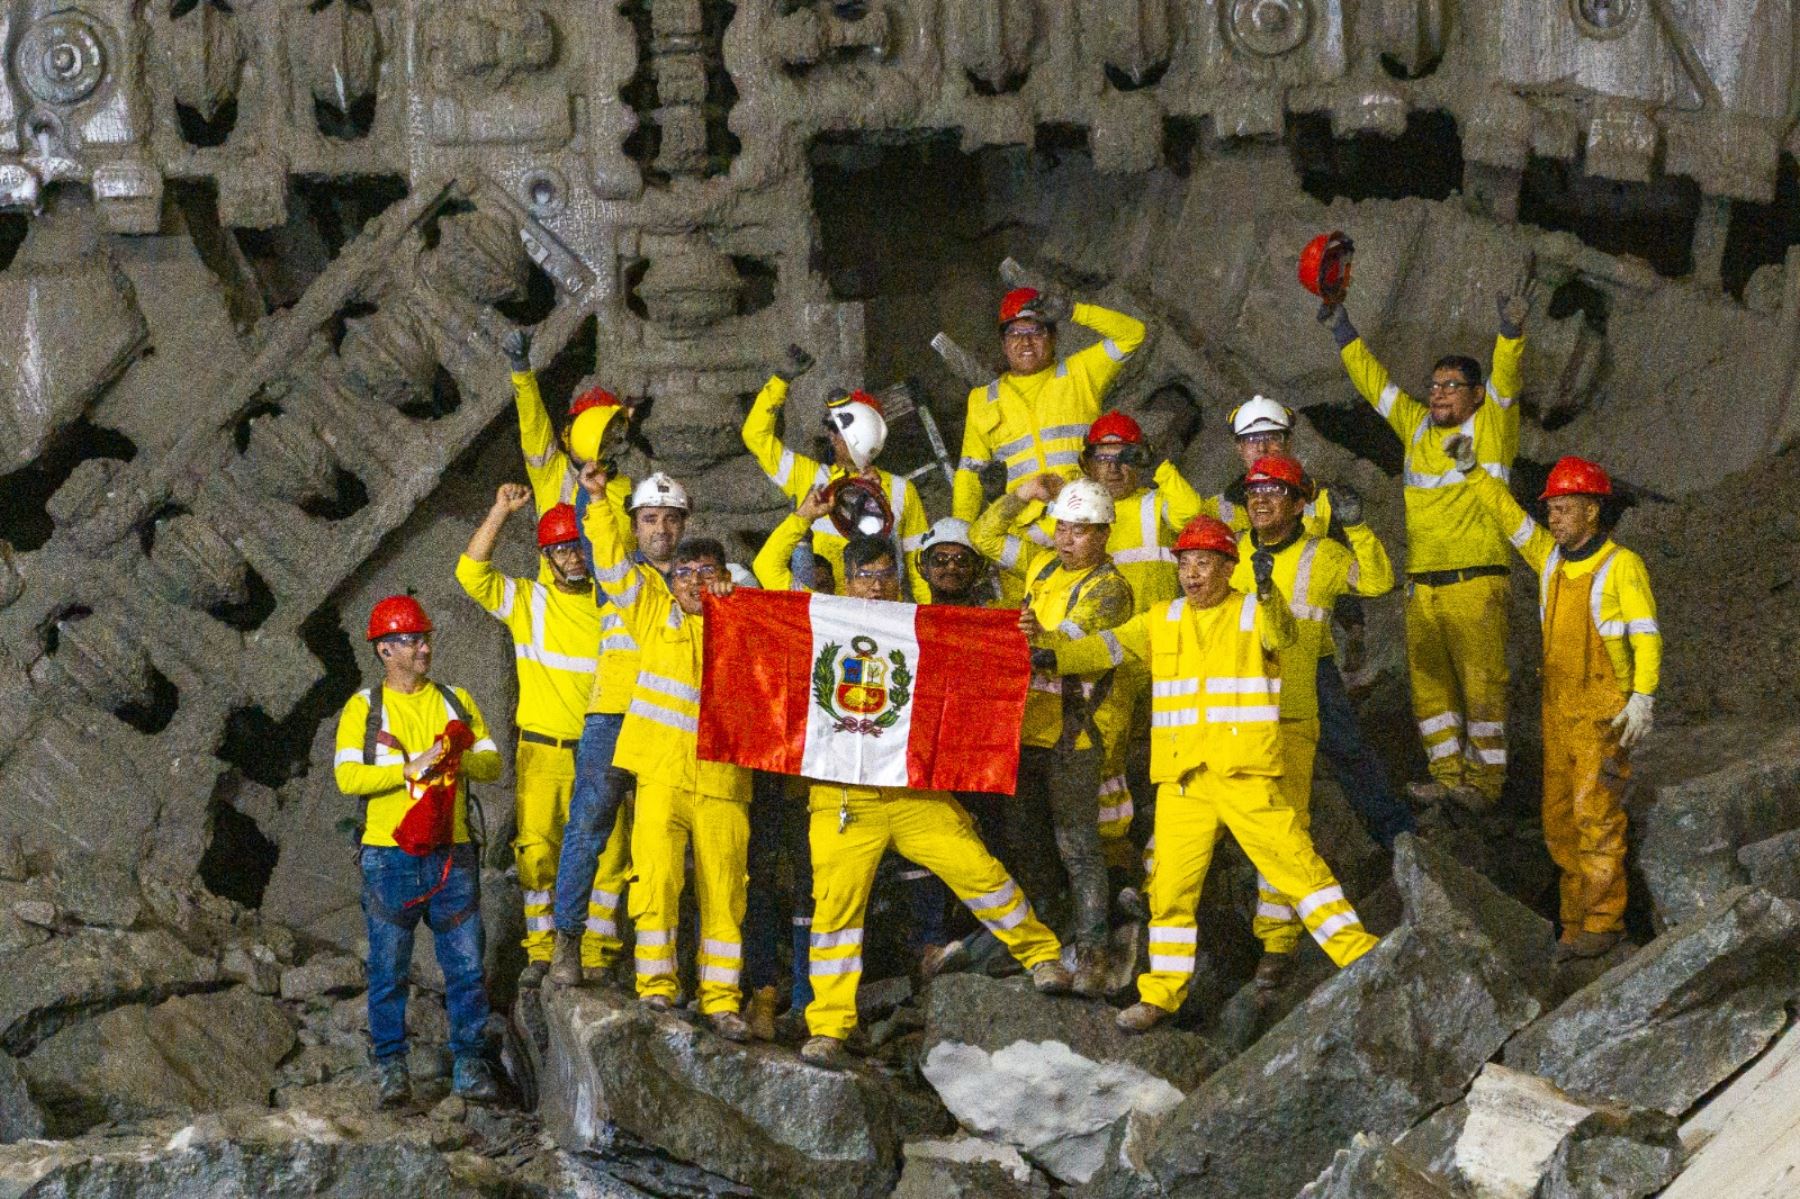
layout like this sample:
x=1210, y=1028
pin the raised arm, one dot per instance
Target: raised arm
x=1180, y=502
x=475, y=569
x=993, y=536
x=622, y=579
x=1119, y=334
x=1531, y=539
x=1371, y=570
x=546, y=465
x=773, y=564
x=1370, y=377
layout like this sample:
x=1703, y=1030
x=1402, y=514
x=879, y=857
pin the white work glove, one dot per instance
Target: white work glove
x=1461, y=449
x=1636, y=719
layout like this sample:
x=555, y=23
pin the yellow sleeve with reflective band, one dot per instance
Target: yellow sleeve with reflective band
x=1506, y=376
x=1531, y=539
x=496, y=593
x=352, y=777
x=1107, y=648
x=965, y=488
x=1628, y=586
x=622, y=579
x=479, y=765
x=1105, y=603
x=795, y=474
x=1097, y=366
x=1372, y=571
x=546, y=466
x=1401, y=411
x=995, y=541
x=618, y=498
x=772, y=565
x=914, y=524
x=1277, y=627
x=1180, y=502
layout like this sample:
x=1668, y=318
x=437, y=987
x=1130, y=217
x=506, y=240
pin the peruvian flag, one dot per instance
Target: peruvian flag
x=864, y=691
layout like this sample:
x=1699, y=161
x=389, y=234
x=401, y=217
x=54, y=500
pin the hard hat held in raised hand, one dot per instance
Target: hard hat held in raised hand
x=858, y=508
x=658, y=491
x=598, y=434
x=1576, y=476
x=858, y=420
x=1208, y=533
x=1260, y=414
x=1083, y=502
x=1279, y=468
x=557, y=527
x=1325, y=266
x=395, y=615
x=593, y=397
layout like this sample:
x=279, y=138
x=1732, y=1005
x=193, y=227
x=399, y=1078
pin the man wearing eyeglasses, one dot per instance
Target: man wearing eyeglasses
x=954, y=569
x=1457, y=557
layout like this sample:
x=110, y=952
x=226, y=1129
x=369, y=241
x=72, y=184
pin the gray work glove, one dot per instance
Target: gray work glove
x=1461, y=450
x=1262, y=565
x=1044, y=660
x=517, y=348
x=1054, y=306
x=1337, y=318
x=1346, y=504
x=797, y=364
x=1516, y=302
x=1636, y=719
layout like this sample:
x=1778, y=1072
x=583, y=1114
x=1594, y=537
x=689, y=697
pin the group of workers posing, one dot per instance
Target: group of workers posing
x=1200, y=626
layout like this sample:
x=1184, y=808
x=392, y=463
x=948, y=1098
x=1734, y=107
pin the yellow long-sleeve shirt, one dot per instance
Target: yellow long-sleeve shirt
x=1622, y=606
x=659, y=740
x=548, y=469
x=1313, y=572
x=412, y=721
x=555, y=636
x=1039, y=422
x=1447, y=528
x=796, y=474
x=773, y=564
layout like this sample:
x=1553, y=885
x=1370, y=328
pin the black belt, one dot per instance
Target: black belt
x=552, y=742
x=1443, y=578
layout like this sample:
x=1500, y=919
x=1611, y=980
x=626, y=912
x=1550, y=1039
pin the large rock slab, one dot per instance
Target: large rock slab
x=1049, y=1075
x=1774, y=864
x=190, y=1054
x=1680, y=1016
x=1376, y=1049
x=1373, y=1169
x=969, y=1168
x=754, y=1113
x=93, y=969
x=20, y=1117
x=1745, y=1141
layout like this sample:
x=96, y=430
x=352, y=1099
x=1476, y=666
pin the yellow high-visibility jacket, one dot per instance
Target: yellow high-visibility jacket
x=659, y=741
x=1039, y=422
x=1446, y=526
x=1215, y=681
x=412, y=722
x=1623, y=609
x=796, y=474
x=547, y=468
x=1314, y=572
x=1228, y=506
x=618, y=667
x=554, y=633
x=1069, y=605
x=773, y=565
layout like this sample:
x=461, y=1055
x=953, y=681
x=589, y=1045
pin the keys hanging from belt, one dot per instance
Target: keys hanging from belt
x=844, y=811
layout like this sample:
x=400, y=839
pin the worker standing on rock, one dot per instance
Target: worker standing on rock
x=1602, y=662
x=1456, y=558
x=1313, y=573
x=851, y=827
x=1072, y=590
x=680, y=799
x=1214, y=657
x=555, y=631
x=858, y=431
x=1035, y=415
x=408, y=746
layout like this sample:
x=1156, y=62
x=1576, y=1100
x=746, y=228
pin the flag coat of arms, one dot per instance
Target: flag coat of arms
x=865, y=692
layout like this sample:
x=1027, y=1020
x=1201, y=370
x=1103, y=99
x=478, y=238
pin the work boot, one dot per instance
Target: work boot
x=394, y=1083
x=604, y=975
x=1272, y=970
x=1429, y=793
x=1470, y=799
x=1140, y=1017
x=1585, y=945
x=656, y=1003
x=471, y=1078
x=762, y=1013
x=826, y=1052
x=939, y=958
x=565, y=960
x=730, y=1026
x=1132, y=905
x=532, y=977
x=1089, y=980
x=791, y=1028
x=1051, y=978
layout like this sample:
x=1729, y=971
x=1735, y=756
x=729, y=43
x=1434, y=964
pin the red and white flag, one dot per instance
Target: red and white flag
x=864, y=691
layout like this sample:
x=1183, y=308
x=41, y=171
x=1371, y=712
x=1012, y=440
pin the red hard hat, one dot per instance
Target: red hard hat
x=1115, y=427
x=1577, y=476
x=593, y=397
x=557, y=527
x=1017, y=304
x=1279, y=468
x=1325, y=266
x=397, y=614
x=1206, y=533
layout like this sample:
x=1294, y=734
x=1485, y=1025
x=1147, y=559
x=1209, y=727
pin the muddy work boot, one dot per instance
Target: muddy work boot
x=937, y=959
x=1091, y=969
x=472, y=1079
x=826, y=1052
x=1585, y=945
x=656, y=1003
x=393, y=1083
x=1051, y=978
x=1272, y=970
x=1471, y=799
x=730, y=1026
x=1427, y=794
x=532, y=977
x=565, y=960
x=761, y=1014
x=1140, y=1017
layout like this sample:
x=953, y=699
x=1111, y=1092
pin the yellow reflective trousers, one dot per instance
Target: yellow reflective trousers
x=1456, y=652
x=1276, y=924
x=544, y=777
x=665, y=821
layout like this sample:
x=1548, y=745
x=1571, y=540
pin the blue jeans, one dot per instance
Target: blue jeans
x=391, y=878
x=593, y=807
x=1358, y=769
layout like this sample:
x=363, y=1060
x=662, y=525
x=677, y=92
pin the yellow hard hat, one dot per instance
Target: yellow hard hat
x=595, y=431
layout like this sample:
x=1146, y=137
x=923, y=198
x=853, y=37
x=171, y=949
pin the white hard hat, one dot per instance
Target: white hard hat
x=948, y=531
x=1261, y=415
x=740, y=574
x=863, y=429
x=1083, y=502
x=658, y=491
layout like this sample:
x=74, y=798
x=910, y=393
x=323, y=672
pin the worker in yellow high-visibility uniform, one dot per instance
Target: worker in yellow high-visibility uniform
x=1313, y=572
x=955, y=570
x=1216, y=757
x=1602, y=662
x=680, y=798
x=858, y=431
x=1456, y=557
x=549, y=467
x=851, y=827
x=555, y=630
x=1069, y=724
x=1034, y=417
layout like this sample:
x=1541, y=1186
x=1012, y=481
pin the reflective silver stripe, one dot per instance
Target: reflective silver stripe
x=1247, y=616
x=1487, y=728
x=540, y=461
x=1229, y=713
x=1062, y=370
x=1012, y=919
x=1522, y=534
x=651, y=936
x=540, y=924
x=1112, y=350
x=1015, y=446
x=1037, y=536
x=1115, y=652
x=993, y=390
x=536, y=896
x=1443, y=749
x=603, y=927
x=1489, y=757
x=1070, y=629
x=1147, y=553
x=1227, y=509
x=1249, y=684
x=973, y=464
x=722, y=949
x=720, y=974
x=1597, y=596
x=1149, y=527
x=784, y=468
x=1122, y=811
x=1503, y=473
x=836, y=966
x=913, y=876
x=1058, y=432
x=1638, y=628
x=824, y=525
x=1332, y=927
x=1062, y=457
x=1440, y=722
x=668, y=686
x=615, y=573
x=1171, y=934
x=1502, y=401
x=1550, y=565
x=1010, y=549
x=1274, y=911
x=1308, y=612
x=509, y=591
x=1385, y=404
x=661, y=715
x=1167, y=687
x=383, y=757
x=1171, y=963
x=1301, y=600
x=993, y=899
x=484, y=746
x=606, y=899
x=1024, y=468
x=551, y=660
x=1318, y=899
x=848, y=936
x=1176, y=607
x=654, y=966
x=1166, y=720
x=801, y=921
